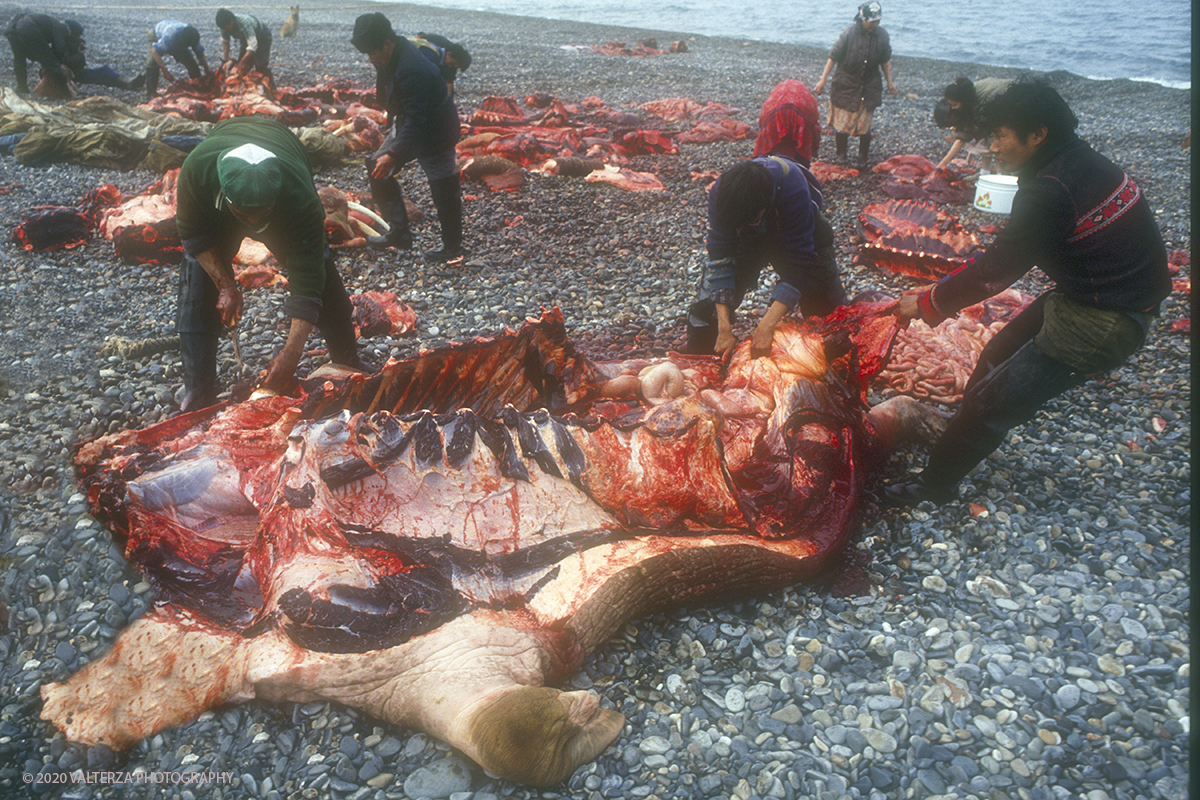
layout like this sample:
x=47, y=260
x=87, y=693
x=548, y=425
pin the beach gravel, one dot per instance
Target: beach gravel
x=1031, y=641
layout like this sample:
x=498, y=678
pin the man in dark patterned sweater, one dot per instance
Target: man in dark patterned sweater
x=1086, y=224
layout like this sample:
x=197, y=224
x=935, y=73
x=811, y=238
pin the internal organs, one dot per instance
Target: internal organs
x=936, y=364
x=436, y=542
x=914, y=238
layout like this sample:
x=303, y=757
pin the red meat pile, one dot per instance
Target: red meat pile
x=61, y=227
x=546, y=129
x=912, y=177
x=915, y=238
x=644, y=47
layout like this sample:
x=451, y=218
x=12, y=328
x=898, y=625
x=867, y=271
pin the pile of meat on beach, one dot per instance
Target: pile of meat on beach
x=335, y=120
x=911, y=230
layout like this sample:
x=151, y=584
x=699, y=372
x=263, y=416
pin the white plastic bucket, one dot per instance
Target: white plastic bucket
x=994, y=193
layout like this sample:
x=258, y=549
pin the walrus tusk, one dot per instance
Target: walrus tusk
x=359, y=207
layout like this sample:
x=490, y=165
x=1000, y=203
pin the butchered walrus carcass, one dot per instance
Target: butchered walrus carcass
x=441, y=542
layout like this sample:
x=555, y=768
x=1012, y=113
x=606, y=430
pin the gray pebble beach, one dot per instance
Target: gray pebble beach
x=1031, y=641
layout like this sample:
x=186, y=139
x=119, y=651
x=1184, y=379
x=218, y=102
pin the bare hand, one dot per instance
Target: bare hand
x=819, y=87
x=909, y=307
x=726, y=341
x=384, y=165
x=761, y=340
x=280, y=375
x=229, y=305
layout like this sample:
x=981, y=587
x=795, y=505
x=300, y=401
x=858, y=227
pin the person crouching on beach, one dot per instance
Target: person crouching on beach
x=251, y=177
x=424, y=127
x=765, y=210
x=254, y=43
x=960, y=108
x=1086, y=224
x=180, y=41
x=47, y=41
x=859, y=54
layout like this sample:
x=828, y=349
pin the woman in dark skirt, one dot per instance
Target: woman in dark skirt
x=859, y=54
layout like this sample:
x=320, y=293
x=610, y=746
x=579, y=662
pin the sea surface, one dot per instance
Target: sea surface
x=1147, y=40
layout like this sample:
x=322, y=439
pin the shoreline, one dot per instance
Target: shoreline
x=1082, y=519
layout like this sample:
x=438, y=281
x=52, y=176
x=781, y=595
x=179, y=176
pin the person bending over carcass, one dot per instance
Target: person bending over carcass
x=448, y=56
x=59, y=48
x=424, y=126
x=251, y=177
x=254, y=42
x=49, y=42
x=765, y=210
x=180, y=41
x=1086, y=224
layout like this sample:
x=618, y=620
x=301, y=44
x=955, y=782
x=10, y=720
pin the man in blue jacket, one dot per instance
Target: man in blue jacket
x=425, y=127
x=765, y=210
x=1086, y=224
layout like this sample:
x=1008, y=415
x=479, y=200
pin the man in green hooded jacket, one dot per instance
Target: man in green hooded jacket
x=250, y=177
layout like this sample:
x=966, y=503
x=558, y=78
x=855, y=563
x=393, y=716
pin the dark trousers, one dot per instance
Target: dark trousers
x=1011, y=381
x=199, y=325
x=445, y=189
x=262, y=55
x=820, y=294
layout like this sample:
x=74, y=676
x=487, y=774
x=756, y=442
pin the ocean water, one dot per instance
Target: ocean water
x=1148, y=40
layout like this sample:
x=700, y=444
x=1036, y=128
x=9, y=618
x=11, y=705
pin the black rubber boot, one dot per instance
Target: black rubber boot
x=447, y=199
x=864, y=148
x=198, y=351
x=842, y=143
x=395, y=214
x=389, y=199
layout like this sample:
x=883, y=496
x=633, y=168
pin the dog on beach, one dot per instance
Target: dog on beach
x=293, y=20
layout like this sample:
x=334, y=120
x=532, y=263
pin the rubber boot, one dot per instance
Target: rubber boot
x=864, y=147
x=198, y=351
x=399, y=236
x=842, y=143
x=447, y=199
x=389, y=199
x=702, y=327
x=152, y=73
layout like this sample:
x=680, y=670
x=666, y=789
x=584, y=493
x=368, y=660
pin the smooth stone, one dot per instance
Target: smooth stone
x=654, y=745
x=789, y=714
x=439, y=779
x=1134, y=628
x=1068, y=696
x=935, y=583
x=882, y=741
